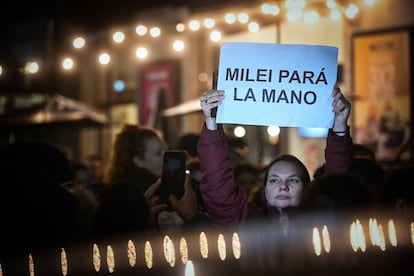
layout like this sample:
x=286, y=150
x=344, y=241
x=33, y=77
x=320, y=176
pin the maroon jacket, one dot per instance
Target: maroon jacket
x=224, y=201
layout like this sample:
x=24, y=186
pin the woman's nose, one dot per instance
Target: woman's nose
x=283, y=185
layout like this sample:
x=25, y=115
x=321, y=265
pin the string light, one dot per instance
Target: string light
x=293, y=10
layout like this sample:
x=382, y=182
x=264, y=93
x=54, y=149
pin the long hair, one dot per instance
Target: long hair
x=129, y=142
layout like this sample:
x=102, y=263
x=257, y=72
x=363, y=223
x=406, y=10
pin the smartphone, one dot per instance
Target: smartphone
x=173, y=174
x=213, y=111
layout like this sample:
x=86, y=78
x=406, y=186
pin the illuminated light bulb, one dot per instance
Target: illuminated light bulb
x=273, y=130
x=203, y=245
x=178, y=45
x=79, y=42
x=243, y=17
x=215, y=36
x=239, y=131
x=194, y=25
x=351, y=11
x=118, y=37
x=64, y=262
x=155, y=32
x=141, y=52
x=189, y=269
x=253, y=27
x=180, y=27
x=169, y=252
x=392, y=233
x=209, y=23
x=331, y=4
x=141, y=30
x=335, y=14
x=148, y=255
x=270, y=9
x=326, y=239
x=236, y=245
x=316, y=240
x=230, y=18
x=67, y=63
x=293, y=15
x=96, y=257
x=104, y=58
x=310, y=17
x=221, y=247
x=132, y=253
x=110, y=259
x=183, y=250
x=376, y=234
x=31, y=68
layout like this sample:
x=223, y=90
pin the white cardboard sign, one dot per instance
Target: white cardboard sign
x=277, y=84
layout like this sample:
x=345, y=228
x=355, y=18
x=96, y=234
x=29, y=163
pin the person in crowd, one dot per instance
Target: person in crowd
x=248, y=177
x=38, y=214
x=96, y=171
x=136, y=156
x=135, y=163
x=398, y=192
x=129, y=203
x=286, y=177
x=337, y=192
x=188, y=142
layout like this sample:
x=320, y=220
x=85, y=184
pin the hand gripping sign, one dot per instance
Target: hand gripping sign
x=277, y=84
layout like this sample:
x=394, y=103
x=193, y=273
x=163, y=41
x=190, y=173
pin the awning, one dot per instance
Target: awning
x=183, y=108
x=57, y=109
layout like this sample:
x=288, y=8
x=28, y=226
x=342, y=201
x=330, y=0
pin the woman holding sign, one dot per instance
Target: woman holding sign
x=286, y=176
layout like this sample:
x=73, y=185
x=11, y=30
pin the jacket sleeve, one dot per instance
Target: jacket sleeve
x=338, y=153
x=224, y=201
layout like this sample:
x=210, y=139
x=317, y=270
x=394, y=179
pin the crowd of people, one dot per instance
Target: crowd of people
x=47, y=200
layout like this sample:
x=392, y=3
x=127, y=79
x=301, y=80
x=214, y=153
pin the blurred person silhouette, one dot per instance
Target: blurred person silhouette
x=188, y=142
x=366, y=169
x=38, y=214
x=96, y=172
x=337, y=192
x=358, y=151
x=248, y=176
x=285, y=179
x=398, y=193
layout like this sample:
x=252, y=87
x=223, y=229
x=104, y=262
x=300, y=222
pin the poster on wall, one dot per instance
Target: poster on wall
x=381, y=85
x=158, y=90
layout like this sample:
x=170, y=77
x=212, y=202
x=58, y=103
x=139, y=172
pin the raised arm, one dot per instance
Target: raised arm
x=338, y=151
x=224, y=201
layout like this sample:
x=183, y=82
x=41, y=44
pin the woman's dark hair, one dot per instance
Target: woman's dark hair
x=129, y=142
x=305, y=177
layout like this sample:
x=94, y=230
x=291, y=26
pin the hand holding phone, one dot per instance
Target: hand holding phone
x=173, y=174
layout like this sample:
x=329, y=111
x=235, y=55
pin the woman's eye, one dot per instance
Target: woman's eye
x=294, y=180
x=273, y=181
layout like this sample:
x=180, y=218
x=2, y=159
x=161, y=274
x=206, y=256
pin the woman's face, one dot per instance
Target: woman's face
x=284, y=186
x=152, y=159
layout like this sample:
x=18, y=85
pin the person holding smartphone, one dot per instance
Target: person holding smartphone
x=130, y=200
x=286, y=177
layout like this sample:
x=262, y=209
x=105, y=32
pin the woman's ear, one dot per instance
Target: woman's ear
x=138, y=161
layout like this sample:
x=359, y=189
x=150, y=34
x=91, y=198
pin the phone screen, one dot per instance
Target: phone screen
x=173, y=174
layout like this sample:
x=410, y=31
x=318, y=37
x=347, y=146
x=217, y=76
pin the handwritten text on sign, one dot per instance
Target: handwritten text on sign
x=276, y=84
